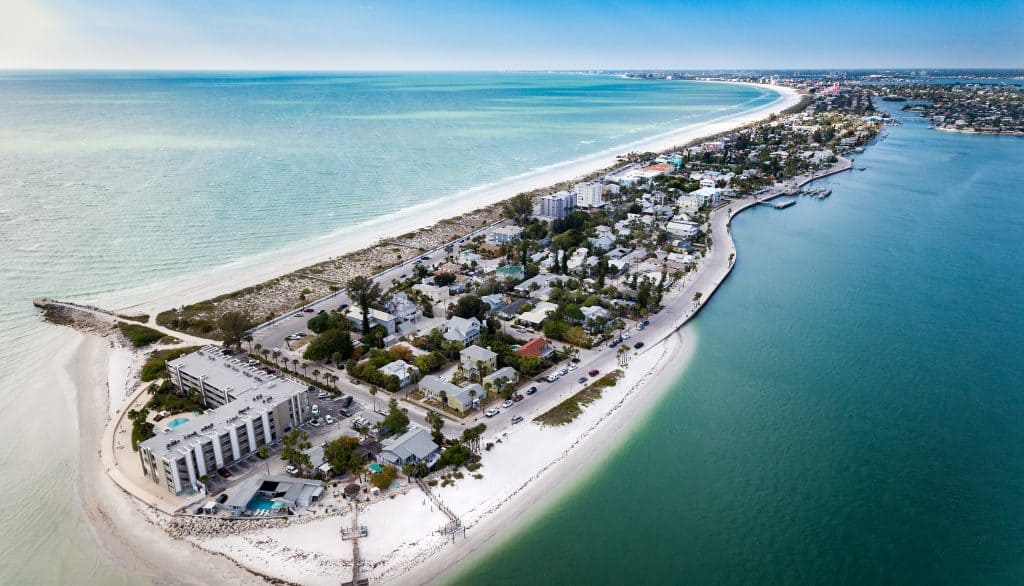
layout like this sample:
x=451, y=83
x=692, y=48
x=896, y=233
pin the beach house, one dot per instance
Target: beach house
x=500, y=377
x=461, y=399
x=462, y=330
x=477, y=362
x=405, y=372
x=415, y=445
x=538, y=347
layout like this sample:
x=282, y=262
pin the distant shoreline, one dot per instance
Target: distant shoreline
x=209, y=283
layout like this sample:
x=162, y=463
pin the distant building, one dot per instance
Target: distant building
x=434, y=293
x=595, y=312
x=536, y=316
x=402, y=307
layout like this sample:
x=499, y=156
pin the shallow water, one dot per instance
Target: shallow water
x=111, y=182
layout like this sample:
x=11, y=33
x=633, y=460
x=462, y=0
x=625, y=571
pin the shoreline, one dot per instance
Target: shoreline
x=254, y=269
x=601, y=437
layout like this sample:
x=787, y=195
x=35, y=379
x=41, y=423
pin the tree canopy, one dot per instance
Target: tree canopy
x=233, y=326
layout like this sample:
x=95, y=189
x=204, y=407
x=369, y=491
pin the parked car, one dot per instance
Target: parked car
x=625, y=336
x=531, y=390
x=491, y=412
x=638, y=345
x=615, y=342
x=582, y=380
x=299, y=314
x=224, y=472
x=346, y=401
x=517, y=419
x=594, y=372
x=517, y=397
x=572, y=367
x=291, y=470
x=328, y=420
x=308, y=310
x=342, y=307
x=316, y=423
x=646, y=323
x=553, y=377
x=323, y=395
x=315, y=410
x=563, y=372
x=507, y=403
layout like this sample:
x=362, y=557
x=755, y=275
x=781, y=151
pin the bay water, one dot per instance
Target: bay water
x=853, y=413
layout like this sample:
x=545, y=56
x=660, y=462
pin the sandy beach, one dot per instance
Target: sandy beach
x=255, y=269
x=404, y=545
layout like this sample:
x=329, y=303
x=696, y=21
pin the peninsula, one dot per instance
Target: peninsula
x=386, y=413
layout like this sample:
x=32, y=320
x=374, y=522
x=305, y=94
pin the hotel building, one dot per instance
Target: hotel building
x=249, y=409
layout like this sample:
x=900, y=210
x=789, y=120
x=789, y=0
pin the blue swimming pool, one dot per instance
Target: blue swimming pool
x=262, y=503
x=176, y=422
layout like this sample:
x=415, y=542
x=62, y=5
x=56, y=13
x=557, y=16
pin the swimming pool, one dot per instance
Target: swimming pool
x=176, y=422
x=262, y=503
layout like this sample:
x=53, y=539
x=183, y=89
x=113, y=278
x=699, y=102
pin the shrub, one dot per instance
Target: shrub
x=139, y=335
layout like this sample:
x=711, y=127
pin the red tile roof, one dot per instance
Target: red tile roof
x=534, y=347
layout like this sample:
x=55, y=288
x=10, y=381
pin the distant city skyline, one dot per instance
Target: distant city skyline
x=528, y=35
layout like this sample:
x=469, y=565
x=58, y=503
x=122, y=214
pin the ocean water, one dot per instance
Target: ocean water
x=853, y=413
x=112, y=182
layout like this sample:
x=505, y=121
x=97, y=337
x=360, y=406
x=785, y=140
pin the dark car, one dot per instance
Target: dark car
x=647, y=322
x=638, y=345
x=517, y=419
x=342, y=307
x=594, y=372
x=582, y=380
x=531, y=390
x=517, y=397
x=346, y=402
x=224, y=472
x=308, y=310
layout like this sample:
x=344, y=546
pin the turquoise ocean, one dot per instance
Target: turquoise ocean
x=853, y=412
x=116, y=182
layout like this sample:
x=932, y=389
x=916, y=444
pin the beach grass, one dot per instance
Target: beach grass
x=569, y=409
x=139, y=335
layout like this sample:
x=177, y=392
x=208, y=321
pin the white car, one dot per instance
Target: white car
x=553, y=377
x=328, y=420
x=572, y=367
x=491, y=412
x=323, y=395
x=315, y=410
x=507, y=403
x=625, y=336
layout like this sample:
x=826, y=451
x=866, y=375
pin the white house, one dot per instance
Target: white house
x=536, y=316
x=405, y=372
x=402, y=307
x=376, y=318
x=433, y=292
x=681, y=227
x=707, y=195
x=478, y=360
x=495, y=379
x=505, y=235
x=595, y=312
x=462, y=330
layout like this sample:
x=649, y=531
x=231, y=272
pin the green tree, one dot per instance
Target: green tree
x=365, y=292
x=397, y=419
x=342, y=454
x=436, y=423
x=296, y=442
x=518, y=208
x=469, y=306
x=233, y=326
x=384, y=478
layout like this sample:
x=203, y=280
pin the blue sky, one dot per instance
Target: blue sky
x=484, y=35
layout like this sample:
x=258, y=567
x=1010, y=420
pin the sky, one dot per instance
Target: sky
x=514, y=34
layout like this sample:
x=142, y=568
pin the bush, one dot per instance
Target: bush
x=139, y=335
x=384, y=478
x=156, y=364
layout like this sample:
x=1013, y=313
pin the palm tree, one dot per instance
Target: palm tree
x=265, y=353
x=258, y=347
x=276, y=354
x=443, y=396
x=696, y=298
x=305, y=365
x=316, y=373
x=373, y=393
x=472, y=396
x=248, y=338
x=295, y=364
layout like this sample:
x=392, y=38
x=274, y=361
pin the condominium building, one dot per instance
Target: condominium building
x=250, y=409
x=557, y=205
x=589, y=194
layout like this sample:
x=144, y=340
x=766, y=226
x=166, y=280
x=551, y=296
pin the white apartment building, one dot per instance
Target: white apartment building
x=557, y=205
x=589, y=194
x=251, y=409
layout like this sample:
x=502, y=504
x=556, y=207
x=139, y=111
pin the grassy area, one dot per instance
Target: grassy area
x=156, y=365
x=570, y=409
x=139, y=335
x=141, y=318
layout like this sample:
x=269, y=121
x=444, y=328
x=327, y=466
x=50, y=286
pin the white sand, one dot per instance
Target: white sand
x=258, y=268
x=403, y=545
